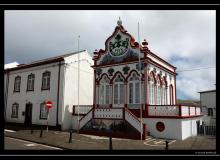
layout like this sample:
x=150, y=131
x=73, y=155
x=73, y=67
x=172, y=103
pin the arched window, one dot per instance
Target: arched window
x=134, y=89
x=104, y=91
x=171, y=94
x=46, y=81
x=159, y=90
x=119, y=90
x=210, y=112
x=17, y=84
x=151, y=89
x=30, y=82
x=163, y=92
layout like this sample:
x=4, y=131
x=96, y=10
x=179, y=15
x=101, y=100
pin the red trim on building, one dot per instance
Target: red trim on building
x=116, y=73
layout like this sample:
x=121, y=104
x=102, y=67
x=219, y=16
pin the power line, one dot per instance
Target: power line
x=195, y=69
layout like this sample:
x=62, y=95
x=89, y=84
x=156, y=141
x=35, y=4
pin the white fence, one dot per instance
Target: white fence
x=82, y=109
x=163, y=110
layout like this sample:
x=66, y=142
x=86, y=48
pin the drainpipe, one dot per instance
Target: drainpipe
x=58, y=93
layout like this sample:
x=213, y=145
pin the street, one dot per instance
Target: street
x=17, y=144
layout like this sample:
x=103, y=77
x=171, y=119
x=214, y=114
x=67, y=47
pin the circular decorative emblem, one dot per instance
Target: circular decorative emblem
x=118, y=46
x=160, y=126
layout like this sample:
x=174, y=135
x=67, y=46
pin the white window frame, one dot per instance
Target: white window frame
x=119, y=98
x=105, y=97
x=132, y=93
x=30, y=82
x=152, y=91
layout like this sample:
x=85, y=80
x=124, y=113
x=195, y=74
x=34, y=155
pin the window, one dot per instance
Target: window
x=171, y=95
x=119, y=90
x=14, y=113
x=17, y=84
x=46, y=81
x=30, y=82
x=151, y=89
x=43, y=111
x=134, y=90
x=210, y=112
x=104, y=91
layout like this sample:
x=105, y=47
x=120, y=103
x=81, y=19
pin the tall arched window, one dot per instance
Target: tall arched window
x=151, y=89
x=134, y=89
x=104, y=91
x=119, y=90
x=159, y=91
x=171, y=94
x=17, y=84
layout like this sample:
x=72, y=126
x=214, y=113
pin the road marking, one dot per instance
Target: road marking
x=31, y=145
x=34, y=143
x=7, y=130
x=84, y=141
x=153, y=145
x=172, y=141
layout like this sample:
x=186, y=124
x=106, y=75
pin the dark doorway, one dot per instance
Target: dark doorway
x=28, y=115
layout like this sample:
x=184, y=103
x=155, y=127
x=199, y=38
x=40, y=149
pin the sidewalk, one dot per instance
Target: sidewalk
x=60, y=139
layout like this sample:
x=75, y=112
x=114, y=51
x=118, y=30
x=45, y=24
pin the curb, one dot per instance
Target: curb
x=63, y=148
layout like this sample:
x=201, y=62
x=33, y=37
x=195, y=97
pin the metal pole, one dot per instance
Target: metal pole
x=48, y=118
x=140, y=79
x=78, y=82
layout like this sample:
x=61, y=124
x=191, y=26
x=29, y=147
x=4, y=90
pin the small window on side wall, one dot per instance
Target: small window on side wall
x=43, y=111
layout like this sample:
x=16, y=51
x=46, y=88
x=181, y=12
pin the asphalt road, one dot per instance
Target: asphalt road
x=17, y=144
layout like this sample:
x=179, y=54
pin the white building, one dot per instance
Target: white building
x=208, y=105
x=28, y=86
x=119, y=100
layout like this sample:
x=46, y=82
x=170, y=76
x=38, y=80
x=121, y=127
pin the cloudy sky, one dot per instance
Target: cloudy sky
x=186, y=39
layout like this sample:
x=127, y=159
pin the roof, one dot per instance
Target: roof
x=207, y=91
x=11, y=65
x=43, y=61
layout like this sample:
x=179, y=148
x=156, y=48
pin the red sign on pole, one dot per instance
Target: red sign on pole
x=49, y=104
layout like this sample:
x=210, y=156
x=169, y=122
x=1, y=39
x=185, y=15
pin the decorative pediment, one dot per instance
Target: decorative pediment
x=119, y=47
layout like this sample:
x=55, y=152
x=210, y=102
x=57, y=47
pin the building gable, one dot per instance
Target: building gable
x=119, y=47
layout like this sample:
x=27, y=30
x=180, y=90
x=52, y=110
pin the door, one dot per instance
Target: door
x=28, y=115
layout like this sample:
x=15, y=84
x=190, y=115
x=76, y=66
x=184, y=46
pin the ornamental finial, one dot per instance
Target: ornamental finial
x=119, y=22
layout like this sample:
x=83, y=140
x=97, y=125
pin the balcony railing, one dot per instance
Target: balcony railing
x=108, y=113
x=173, y=110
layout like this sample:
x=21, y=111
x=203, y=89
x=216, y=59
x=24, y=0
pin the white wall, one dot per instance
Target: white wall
x=172, y=128
x=71, y=85
x=179, y=129
x=36, y=97
x=189, y=127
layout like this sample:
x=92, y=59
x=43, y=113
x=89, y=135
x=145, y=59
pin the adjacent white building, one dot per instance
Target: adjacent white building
x=29, y=86
x=208, y=105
